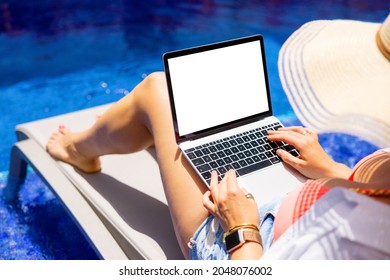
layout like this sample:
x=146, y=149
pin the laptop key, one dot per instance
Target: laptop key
x=247, y=146
x=241, y=147
x=212, y=149
x=277, y=126
x=254, y=167
x=226, y=145
x=198, y=161
x=261, y=149
x=289, y=148
x=214, y=156
x=267, y=147
x=234, y=158
x=279, y=143
x=207, y=158
x=227, y=160
x=219, y=147
x=269, y=154
x=206, y=175
x=249, y=161
x=222, y=170
x=228, y=167
x=198, y=153
x=191, y=155
x=203, y=168
x=273, y=145
x=256, y=159
x=248, y=154
x=241, y=155
x=260, y=141
x=274, y=160
x=254, y=143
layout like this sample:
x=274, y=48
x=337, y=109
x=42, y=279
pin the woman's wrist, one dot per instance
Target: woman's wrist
x=340, y=170
x=243, y=242
x=248, y=251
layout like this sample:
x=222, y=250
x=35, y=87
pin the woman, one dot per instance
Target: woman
x=141, y=119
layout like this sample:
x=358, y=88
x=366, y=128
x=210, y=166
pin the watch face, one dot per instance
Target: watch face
x=232, y=240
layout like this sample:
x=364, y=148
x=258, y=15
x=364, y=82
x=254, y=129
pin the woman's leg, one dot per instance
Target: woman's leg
x=137, y=121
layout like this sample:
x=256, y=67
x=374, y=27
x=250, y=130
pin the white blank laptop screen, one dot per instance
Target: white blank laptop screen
x=215, y=87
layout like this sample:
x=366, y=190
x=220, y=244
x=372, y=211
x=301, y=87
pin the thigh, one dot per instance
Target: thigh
x=183, y=187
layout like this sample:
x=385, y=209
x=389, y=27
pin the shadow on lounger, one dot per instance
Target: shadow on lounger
x=141, y=212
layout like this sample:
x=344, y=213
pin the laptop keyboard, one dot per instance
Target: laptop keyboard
x=244, y=152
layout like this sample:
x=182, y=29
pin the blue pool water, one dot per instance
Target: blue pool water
x=65, y=55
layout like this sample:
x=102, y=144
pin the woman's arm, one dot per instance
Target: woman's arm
x=248, y=251
x=228, y=203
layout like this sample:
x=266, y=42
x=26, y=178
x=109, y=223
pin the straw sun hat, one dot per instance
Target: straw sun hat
x=336, y=74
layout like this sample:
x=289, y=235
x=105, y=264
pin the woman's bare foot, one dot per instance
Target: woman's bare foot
x=61, y=146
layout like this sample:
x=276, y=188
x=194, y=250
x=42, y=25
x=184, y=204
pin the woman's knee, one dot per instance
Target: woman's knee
x=153, y=90
x=156, y=82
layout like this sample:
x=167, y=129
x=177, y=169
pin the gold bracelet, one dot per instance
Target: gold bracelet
x=245, y=225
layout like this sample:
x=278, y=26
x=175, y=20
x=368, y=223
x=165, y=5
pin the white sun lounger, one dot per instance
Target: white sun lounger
x=122, y=210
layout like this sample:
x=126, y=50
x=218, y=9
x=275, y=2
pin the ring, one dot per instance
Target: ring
x=249, y=196
x=305, y=132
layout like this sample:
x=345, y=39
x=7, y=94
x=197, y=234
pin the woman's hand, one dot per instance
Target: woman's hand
x=313, y=162
x=227, y=202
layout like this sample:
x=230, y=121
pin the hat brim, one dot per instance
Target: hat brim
x=336, y=79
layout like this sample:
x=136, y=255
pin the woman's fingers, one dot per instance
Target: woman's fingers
x=214, y=179
x=228, y=203
x=217, y=190
x=208, y=202
x=297, y=129
x=295, y=162
x=209, y=196
x=289, y=137
x=232, y=183
x=220, y=192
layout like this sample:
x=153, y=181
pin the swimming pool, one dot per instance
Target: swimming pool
x=61, y=56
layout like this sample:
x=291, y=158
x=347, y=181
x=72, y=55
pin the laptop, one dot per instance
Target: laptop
x=221, y=109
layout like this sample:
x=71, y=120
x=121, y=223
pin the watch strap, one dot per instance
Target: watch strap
x=237, y=238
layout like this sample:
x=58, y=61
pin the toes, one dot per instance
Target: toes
x=63, y=129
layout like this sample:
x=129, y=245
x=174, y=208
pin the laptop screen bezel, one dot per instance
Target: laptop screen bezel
x=236, y=123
